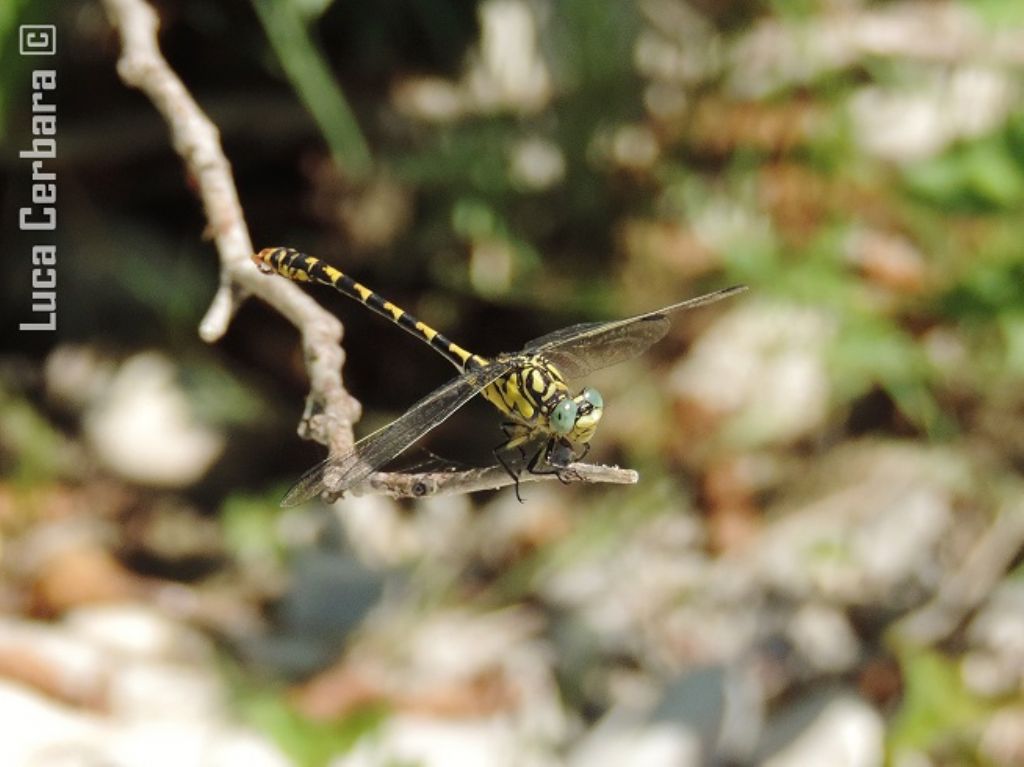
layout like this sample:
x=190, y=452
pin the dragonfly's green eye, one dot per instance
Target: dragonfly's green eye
x=563, y=417
x=593, y=396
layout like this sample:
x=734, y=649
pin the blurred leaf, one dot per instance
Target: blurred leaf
x=310, y=10
x=937, y=707
x=14, y=67
x=990, y=288
x=474, y=219
x=984, y=175
x=219, y=397
x=998, y=13
x=1012, y=326
x=795, y=9
x=309, y=74
x=35, y=444
x=591, y=48
x=873, y=351
x=309, y=743
x=250, y=528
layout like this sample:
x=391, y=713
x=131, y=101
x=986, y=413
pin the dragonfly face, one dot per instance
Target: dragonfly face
x=575, y=418
x=589, y=407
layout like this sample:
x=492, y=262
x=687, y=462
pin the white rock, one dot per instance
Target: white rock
x=138, y=707
x=615, y=744
x=847, y=733
x=762, y=366
x=38, y=731
x=137, y=631
x=866, y=526
x=490, y=742
x=143, y=427
x=536, y=163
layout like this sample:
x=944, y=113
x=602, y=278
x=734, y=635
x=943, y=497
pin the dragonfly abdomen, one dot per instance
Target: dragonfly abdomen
x=300, y=267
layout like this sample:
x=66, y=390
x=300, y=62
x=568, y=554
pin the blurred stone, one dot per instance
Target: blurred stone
x=994, y=664
x=156, y=743
x=1002, y=739
x=868, y=525
x=143, y=429
x=374, y=215
x=729, y=488
x=778, y=53
x=487, y=742
x=39, y=731
x=629, y=147
x=536, y=164
x=80, y=575
x=845, y=733
x=76, y=375
x=654, y=246
x=678, y=45
x=887, y=259
x=912, y=124
x=724, y=127
x=667, y=104
x=508, y=70
x=428, y=98
x=492, y=262
x=145, y=691
x=170, y=535
x=457, y=665
x=634, y=147
x=138, y=631
x=613, y=744
x=759, y=368
x=52, y=663
x=653, y=591
x=825, y=639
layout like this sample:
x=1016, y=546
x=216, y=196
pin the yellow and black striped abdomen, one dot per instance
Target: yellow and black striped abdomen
x=299, y=267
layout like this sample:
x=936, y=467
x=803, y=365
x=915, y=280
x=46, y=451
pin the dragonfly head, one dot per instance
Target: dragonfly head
x=575, y=418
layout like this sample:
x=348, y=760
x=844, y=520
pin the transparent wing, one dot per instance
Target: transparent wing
x=343, y=472
x=579, y=349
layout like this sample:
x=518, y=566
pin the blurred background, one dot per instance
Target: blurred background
x=821, y=564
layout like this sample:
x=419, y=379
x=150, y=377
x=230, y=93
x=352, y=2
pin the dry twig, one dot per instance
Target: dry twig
x=330, y=410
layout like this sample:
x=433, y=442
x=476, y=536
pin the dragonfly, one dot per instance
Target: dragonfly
x=528, y=387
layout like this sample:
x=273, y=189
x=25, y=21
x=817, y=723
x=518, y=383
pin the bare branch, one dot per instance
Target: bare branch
x=330, y=411
x=490, y=478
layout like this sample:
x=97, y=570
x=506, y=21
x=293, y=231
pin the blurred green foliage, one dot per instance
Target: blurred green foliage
x=985, y=175
x=938, y=714
x=308, y=743
x=285, y=23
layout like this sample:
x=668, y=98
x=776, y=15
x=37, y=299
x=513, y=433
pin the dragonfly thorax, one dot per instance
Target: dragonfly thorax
x=535, y=396
x=529, y=392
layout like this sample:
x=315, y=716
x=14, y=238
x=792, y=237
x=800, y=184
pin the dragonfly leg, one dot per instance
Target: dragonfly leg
x=514, y=434
x=544, y=454
x=558, y=455
x=499, y=454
